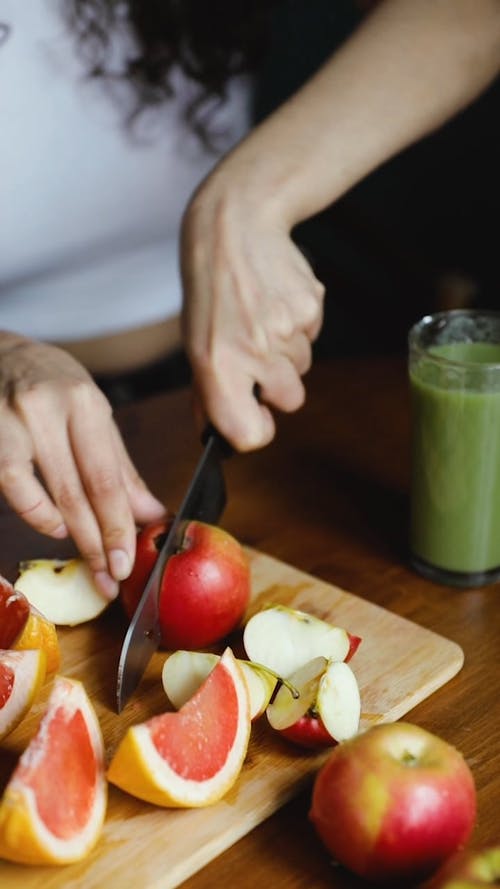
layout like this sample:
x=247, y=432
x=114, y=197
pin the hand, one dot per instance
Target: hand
x=252, y=309
x=54, y=417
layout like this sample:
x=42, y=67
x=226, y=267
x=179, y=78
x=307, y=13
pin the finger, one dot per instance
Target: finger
x=247, y=424
x=298, y=351
x=104, y=486
x=313, y=328
x=281, y=385
x=300, y=310
x=314, y=290
x=53, y=454
x=22, y=490
x=66, y=487
x=145, y=507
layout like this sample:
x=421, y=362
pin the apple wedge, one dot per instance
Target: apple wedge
x=286, y=710
x=63, y=590
x=327, y=710
x=184, y=671
x=285, y=639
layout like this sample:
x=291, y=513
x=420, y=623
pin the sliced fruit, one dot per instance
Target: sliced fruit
x=14, y=613
x=285, y=639
x=205, y=587
x=54, y=805
x=184, y=671
x=285, y=709
x=39, y=632
x=63, y=590
x=192, y=757
x=21, y=677
x=327, y=710
x=149, y=541
x=23, y=627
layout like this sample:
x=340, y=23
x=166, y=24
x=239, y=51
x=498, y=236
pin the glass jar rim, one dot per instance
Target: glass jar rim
x=448, y=315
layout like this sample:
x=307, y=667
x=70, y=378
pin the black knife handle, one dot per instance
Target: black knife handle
x=225, y=449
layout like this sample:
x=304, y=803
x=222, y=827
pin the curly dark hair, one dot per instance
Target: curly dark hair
x=210, y=40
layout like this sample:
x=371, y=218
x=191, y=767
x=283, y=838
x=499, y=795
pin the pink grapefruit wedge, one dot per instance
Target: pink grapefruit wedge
x=21, y=677
x=54, y=805
x=189, y=758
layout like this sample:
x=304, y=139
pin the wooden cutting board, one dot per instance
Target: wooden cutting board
x=397, y=665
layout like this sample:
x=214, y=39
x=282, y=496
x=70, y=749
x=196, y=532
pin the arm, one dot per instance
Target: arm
x=252, y=304
x=55, y=419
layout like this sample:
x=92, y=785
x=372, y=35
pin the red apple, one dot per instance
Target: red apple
x=309, y=732
x=148, y=544
x=470, y=869
x=354, y=643
x=205, y=588
x=14, y=613
x=394, y=803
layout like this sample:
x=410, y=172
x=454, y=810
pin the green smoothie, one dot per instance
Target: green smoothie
x=455, y=501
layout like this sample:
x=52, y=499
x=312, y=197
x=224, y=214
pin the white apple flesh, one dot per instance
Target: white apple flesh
x=339, y=702
x=184, y=671
x=62, y=590
x=285, y=710
x=284, y=639
x=328, y=689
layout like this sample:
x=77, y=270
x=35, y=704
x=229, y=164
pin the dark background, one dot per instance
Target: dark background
x=419, y=234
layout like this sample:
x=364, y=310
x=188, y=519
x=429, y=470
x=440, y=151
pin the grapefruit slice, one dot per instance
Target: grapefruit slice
x=54, y=805
x=21, y=677
x=39, y=632
x=189, y=758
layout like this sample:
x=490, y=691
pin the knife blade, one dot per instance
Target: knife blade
x=204, y=501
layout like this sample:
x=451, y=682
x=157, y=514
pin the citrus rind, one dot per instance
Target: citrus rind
x=27, y=669
x=138, y=767
x=24, y=837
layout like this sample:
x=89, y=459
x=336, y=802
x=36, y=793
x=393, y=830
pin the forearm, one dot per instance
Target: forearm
x=410, y=66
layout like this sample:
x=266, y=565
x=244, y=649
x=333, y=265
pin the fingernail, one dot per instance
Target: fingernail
x=119, y=564
x=106, y=585
x=60, y=532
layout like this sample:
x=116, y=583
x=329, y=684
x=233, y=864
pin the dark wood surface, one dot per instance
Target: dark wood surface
x=329, y=496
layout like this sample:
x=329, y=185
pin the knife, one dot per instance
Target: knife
x=204, y=501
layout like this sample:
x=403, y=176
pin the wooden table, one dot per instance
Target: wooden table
x=330, y=496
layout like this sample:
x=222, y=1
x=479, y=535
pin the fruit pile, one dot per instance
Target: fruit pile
x=295, y=672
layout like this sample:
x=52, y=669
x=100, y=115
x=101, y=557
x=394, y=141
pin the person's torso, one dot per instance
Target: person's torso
x=90, y=209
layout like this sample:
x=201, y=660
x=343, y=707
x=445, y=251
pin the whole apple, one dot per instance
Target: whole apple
x=149, y=541
x=394, y=803
x=470, y=869
x=205, y=587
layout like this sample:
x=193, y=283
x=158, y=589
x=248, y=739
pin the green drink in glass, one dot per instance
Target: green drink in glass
x=454, y=368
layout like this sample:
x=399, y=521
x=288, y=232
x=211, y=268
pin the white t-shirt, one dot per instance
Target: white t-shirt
x=90, y=210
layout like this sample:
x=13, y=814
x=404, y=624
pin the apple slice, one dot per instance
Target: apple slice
x=284, y=639
x=327, y=710
x=63, y=590
x=286, y=710
x=184, y=671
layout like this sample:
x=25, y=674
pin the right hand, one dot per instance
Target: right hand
x=252, y=308
x=54, y=418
